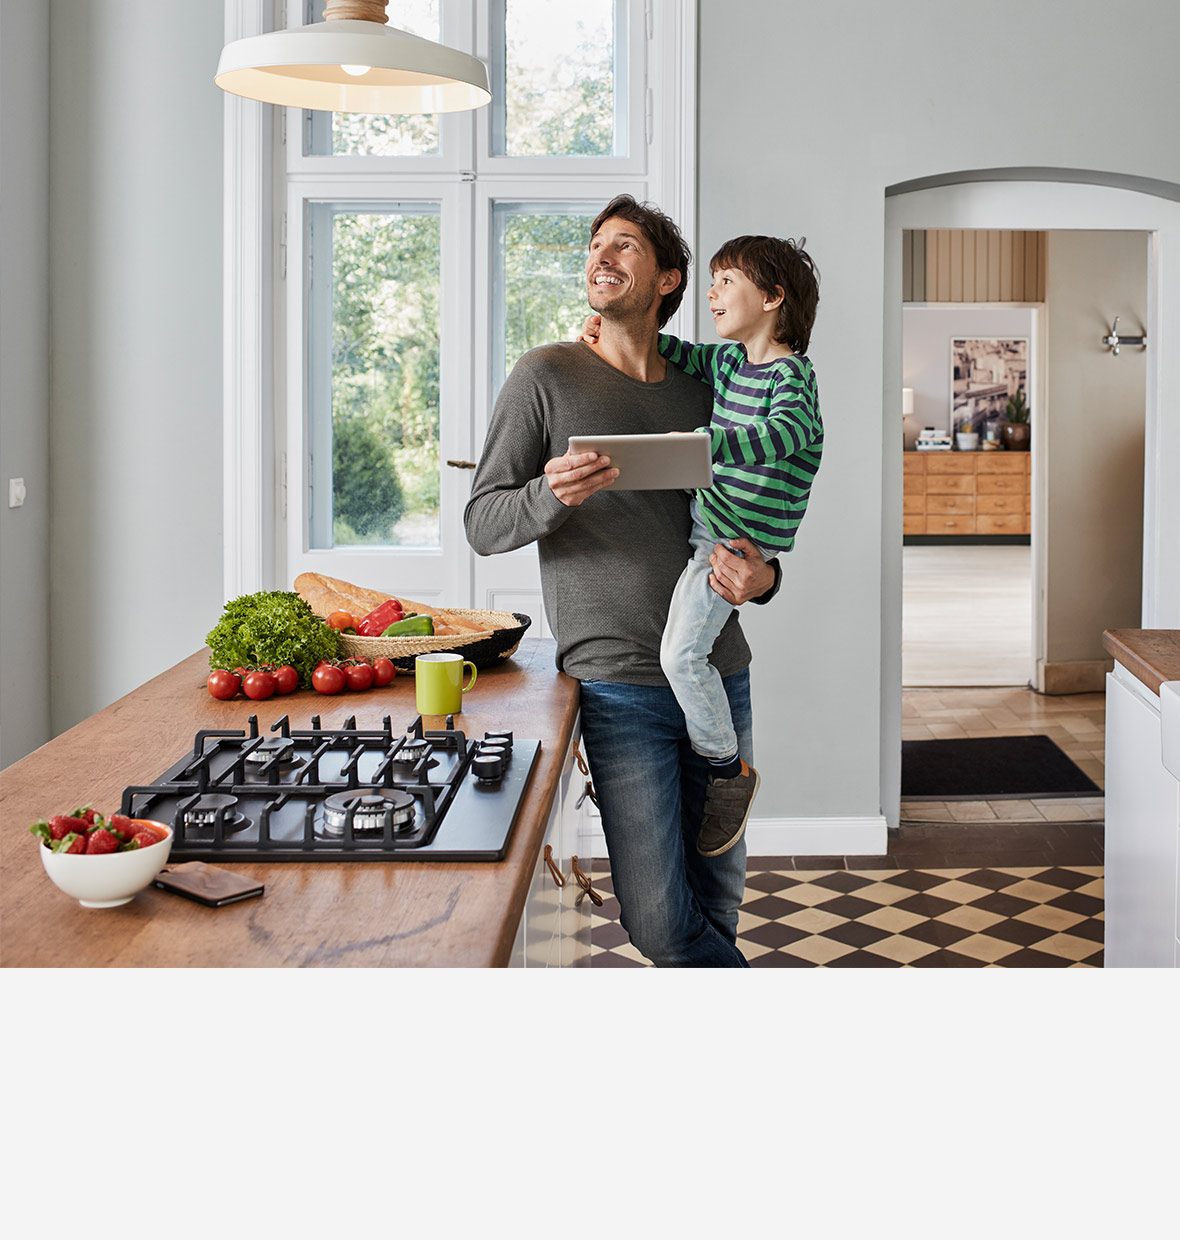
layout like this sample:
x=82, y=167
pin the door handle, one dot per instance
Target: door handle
x=462, y=464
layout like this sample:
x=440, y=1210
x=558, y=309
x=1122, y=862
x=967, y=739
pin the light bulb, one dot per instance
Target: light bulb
x=356, y=70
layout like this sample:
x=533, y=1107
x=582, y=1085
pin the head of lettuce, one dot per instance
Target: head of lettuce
x=272, y=626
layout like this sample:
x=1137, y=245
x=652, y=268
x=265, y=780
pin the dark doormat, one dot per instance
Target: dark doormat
x=990, y=768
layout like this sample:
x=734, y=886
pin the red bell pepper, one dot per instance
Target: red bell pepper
x=378, y=620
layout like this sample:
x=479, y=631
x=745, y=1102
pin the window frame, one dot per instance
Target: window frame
x=267, y=174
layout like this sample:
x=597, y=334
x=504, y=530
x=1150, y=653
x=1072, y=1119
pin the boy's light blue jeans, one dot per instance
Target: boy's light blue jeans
x=680, y=909
x=696, y=616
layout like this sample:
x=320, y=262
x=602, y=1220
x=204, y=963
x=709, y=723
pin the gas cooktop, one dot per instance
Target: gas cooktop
x=344, y=794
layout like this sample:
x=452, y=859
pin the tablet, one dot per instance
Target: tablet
x=677, y=461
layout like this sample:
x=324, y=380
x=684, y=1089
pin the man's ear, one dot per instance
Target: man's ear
x=669, y=280
x=773, y=303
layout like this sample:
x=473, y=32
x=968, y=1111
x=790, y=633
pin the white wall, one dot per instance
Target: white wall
x=135, y=394
x=808, y=113
x=24, y=377
x=926, y=358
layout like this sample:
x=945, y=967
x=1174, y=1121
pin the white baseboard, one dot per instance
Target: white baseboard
x=784, y=837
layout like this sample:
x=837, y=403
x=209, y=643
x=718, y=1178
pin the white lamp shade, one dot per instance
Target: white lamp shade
x=907, y=401
x=302, y=68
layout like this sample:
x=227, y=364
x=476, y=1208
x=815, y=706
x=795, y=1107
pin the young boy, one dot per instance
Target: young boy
x=767, y=441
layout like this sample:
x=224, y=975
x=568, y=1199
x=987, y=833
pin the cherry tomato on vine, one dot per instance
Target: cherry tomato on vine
x=328, y=678
x=359, y=676
x=258, y=686
x=383, y=672
x=223, y=684
x=286, y=679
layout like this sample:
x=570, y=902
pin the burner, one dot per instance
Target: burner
x=413, y=749
x=203, y=814
x=371, y=806
x=281, y=747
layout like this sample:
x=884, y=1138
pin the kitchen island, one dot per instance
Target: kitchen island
x=322, y=913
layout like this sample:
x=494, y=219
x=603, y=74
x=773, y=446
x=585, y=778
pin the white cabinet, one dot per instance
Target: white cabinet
x=554, y=931
x=1142, y=865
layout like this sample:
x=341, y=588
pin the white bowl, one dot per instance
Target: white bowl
x=104, y=880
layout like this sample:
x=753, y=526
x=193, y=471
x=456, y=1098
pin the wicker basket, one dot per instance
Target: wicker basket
x=483, y=649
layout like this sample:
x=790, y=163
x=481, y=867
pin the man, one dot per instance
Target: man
x=609, y=564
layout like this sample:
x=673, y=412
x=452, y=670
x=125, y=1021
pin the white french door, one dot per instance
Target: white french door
x=383, y=517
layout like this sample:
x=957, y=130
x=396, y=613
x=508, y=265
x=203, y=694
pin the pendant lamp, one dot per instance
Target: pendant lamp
x=353, y=62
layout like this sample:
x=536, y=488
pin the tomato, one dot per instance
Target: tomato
x=286, y=679
x=258, y=686
x=242, y=672
x=359, y=676
x=223, y=685
x=383, y=672
x=341, y=620
x=327, y=678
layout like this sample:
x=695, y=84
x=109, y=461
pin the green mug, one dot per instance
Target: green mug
x=439, y=683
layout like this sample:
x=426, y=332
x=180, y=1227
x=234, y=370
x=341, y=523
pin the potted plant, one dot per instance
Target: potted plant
x=1017, y=432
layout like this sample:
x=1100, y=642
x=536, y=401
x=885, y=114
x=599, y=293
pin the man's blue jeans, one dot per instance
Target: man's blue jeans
x=679, y=908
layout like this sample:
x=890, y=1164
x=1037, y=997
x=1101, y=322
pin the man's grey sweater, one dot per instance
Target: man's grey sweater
x=608, y=566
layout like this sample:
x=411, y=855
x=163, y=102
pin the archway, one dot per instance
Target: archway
x=1042, y=199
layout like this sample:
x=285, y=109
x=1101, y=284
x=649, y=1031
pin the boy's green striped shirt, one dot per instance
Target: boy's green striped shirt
x=767, y=440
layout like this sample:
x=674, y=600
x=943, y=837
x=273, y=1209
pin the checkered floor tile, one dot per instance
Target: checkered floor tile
x=1022, y=916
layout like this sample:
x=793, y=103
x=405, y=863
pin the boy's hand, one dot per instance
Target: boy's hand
x=573, y=478
x=591, y=329
x=739, y=578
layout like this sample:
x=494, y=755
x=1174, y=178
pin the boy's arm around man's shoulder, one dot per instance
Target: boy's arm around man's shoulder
x=511, y=503
x=698, y=361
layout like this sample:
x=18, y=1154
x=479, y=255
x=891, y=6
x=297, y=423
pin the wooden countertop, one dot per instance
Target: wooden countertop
x=1150, y=655
x=313, y=914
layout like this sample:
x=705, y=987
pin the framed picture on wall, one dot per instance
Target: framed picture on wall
x=986, y=372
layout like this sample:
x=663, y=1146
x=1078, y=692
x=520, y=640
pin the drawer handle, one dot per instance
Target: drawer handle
x=558, y=876
x=584, y=883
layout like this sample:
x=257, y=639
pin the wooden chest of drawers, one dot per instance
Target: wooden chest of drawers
x=966, y=493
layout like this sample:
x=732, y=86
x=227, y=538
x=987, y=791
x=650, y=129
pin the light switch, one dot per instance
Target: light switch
x=16, y=492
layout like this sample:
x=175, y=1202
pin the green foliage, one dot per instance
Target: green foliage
x=365, y=488
x=544, y=280
x=1017, y=410
x=385, y=371
x=273, y=626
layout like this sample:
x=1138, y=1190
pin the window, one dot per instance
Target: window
x=417, y=258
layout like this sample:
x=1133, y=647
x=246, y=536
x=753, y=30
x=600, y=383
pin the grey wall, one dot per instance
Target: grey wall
x=135, y=392
x=1094, y=446
x=807, y=114
x=24, y=376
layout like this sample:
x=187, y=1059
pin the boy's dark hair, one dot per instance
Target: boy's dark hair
x=773, y=264
x=672, y=254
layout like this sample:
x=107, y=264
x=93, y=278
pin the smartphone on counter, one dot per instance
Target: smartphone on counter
x=207, y=884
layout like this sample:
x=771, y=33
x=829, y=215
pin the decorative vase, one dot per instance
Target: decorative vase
x=1017, y=436
x=967, y=441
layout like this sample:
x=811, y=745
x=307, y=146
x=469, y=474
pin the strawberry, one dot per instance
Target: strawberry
x=145, y=839
x=75, y=842
x=61, y=825
x=86, y=814
x=120, y=824
x=101, y=841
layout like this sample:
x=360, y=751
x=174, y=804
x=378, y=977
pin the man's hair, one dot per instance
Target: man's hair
x=772, y=264
x=672, y=254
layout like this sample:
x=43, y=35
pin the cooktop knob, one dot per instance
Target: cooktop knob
x=487, y=766
x=498, y=738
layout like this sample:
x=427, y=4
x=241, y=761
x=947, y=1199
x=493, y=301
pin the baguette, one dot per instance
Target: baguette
x=325, y=595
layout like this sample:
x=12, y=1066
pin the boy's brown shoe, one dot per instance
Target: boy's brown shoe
x=727, y=809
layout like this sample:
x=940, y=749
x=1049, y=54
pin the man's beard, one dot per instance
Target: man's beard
x=632, y=306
